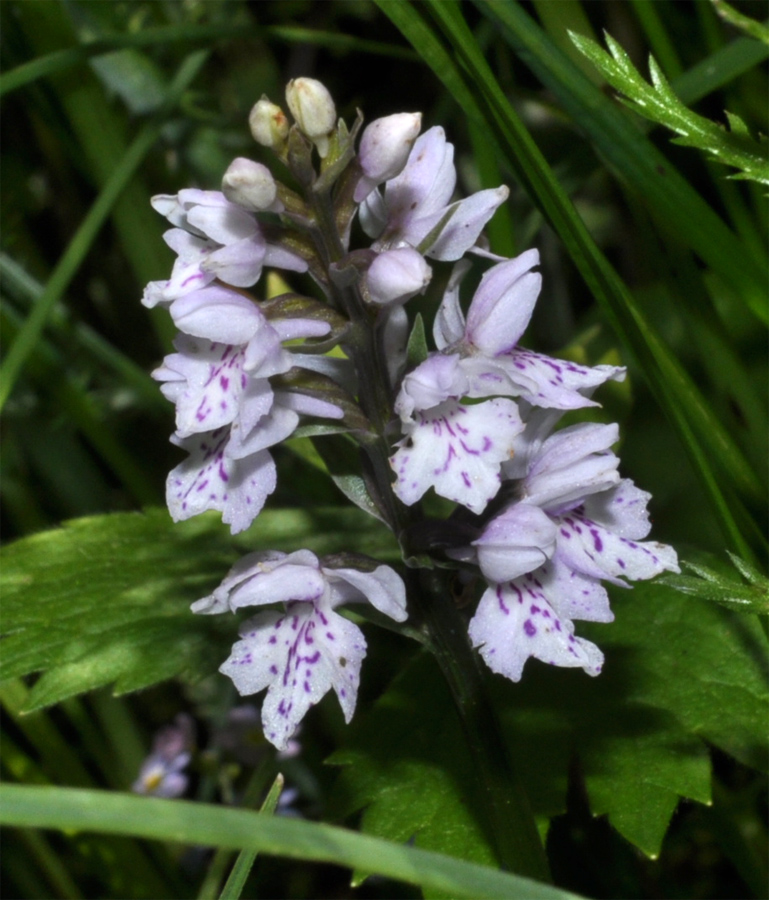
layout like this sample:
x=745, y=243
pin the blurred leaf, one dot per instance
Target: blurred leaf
x=105, y=600
x=659, y=103
x=750, y=26
x=719, y=69
x=81, y=243
x=202, y=823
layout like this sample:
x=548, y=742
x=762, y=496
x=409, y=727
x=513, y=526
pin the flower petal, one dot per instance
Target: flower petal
x=502, y=306
x=208, y=479
x=218, y=314
x=205, y=380
x=298, y=656
x=571, y=464
x=383, y=588
x=457, y=450
x=514, y=621
x=519, y=540
x=590, y=549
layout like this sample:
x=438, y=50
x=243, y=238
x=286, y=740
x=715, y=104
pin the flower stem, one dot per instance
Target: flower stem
x=506, y=807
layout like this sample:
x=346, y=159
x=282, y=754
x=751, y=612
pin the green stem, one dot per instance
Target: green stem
x=506, y=808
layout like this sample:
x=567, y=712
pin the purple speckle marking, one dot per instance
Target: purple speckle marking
x=528, y=627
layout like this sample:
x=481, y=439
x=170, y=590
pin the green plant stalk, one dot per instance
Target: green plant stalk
x=507, y=811
x=233, y=887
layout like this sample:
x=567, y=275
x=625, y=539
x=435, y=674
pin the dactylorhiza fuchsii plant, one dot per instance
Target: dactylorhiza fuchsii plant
x=542, y=516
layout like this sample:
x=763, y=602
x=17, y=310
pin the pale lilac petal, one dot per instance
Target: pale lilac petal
x=383, y=588
x=372, y=214
x=186, y=246
x=255, y=403
x=239, y=264
x=621, y=509
x=519, y=540
x=294, y=329
x=208, y=479
x=384, y=148
x=280, y=258
x=573, y=595
x=218, y=314
x=154, y=293
x=514, y=621
x=309, y=406
x=589, y=548
x=257, y=563
x=397, y=275
x=558, y=382
x=449, y=322
x=426, y=183
x=298, y=656
x=271, y=429
x=225, y=224
x=265, y=355
x=437, y=379
x=296, y=576
x=503, y=304
x=458, y=451
x=571, y=464
x=463, y=228
x=187, y=276
x=205, y=380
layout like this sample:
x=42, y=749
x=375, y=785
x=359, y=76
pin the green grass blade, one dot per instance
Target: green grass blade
x=200, y=823
x=718, y=69
x=81, y=243
x=673, y=388
x=233, y=888
x=60, y=60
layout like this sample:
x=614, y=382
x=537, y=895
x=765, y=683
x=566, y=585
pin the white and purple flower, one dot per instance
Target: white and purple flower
x=416, y=209
x=304, y=650
x=227, y=413
x=576, y=523
x=213, y=238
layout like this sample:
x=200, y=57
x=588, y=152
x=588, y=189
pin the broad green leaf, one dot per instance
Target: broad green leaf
x=406, y=761
x=105, y=600
x=216, y=826
x=677, y=674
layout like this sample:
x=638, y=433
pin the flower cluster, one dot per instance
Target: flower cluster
x=543, y=515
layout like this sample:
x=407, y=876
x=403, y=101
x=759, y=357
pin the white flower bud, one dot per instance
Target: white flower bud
x=396, y=275
x=268, y=124
x=384, y=149
x=249, y=184
x=313, y=109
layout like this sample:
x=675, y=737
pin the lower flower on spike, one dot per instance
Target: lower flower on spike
x=306, y=649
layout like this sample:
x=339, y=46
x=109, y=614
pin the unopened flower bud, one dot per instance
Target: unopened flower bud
x=313, y=109
x=249, y=184
x=268, y=124
x=396, y=275
x=384, y=150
